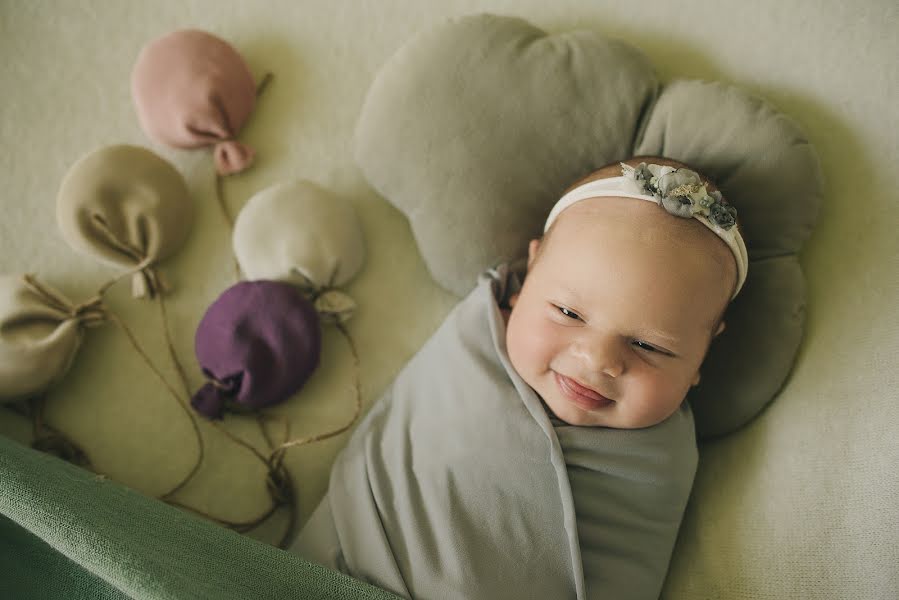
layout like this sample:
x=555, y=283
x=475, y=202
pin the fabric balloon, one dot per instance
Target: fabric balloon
x=191, y=89
x=40, y=333
x=299, y=232
x=257, y=344
x=128, y=207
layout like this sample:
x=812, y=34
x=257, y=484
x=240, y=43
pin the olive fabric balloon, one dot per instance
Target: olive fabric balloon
x=191, y=89
x=258, y=344
x=40, y=333
x=126, y=206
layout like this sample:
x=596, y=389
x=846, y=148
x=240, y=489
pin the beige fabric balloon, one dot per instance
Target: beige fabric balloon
x=126, y=206
x=40, y=333
x=300, y=233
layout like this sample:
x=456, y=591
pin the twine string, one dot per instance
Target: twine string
x=279, y=483
x=262, y=418
x=200, y=447
x=170, y=345
x=266, y=79
x=220, y=183
x=93, y=312
x=151, y=279
x=262, y=458
x=358, y=401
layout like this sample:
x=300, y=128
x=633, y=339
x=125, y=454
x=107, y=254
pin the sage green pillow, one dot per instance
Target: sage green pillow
x=475, y=127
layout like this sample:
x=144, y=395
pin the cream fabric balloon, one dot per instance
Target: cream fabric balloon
x=300, y=233
x=40, y=333
x=126, y=206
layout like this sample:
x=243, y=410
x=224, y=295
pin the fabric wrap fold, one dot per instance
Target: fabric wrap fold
x=459, y=484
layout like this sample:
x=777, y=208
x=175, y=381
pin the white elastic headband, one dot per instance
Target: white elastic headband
x=679, y=191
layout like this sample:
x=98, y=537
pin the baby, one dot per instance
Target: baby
x=539, y=445
x=619, y=304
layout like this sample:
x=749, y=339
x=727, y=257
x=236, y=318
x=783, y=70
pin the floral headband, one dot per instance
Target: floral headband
x=681, y=192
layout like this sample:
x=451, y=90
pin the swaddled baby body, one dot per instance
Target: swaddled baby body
x=539, y=444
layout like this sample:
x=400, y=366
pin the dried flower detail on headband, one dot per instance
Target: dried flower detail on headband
x=681, y=192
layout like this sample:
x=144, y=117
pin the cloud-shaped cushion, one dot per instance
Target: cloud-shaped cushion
x=475, y=127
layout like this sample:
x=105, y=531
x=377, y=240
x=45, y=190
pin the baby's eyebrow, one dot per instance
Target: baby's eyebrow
x=659, y=334
x=668, y=342
x=570, y=292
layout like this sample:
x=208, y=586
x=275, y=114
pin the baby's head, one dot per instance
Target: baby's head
x=623, y=297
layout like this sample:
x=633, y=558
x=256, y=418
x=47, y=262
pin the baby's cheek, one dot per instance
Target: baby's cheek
x=525, y=344
x=543, y=346
x=659, y=398
x=512, y=341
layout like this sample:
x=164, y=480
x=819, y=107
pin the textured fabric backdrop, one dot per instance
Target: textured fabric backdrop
x=803, y=502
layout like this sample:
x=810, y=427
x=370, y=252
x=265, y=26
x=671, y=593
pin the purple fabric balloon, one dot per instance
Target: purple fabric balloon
x=258, y=344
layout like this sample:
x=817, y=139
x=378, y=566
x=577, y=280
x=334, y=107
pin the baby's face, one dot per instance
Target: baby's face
x=622, y=300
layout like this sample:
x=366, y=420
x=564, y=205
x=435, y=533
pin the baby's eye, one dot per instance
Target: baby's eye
x=568, y=313
x=644, y=346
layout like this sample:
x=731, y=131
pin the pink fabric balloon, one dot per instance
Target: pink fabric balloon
x=191, y=89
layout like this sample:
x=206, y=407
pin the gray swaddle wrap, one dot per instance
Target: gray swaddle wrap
x=458, y=483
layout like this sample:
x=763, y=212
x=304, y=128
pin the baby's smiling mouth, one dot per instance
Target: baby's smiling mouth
x=583, y=396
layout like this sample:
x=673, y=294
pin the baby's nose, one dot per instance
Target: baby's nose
x=603, y=355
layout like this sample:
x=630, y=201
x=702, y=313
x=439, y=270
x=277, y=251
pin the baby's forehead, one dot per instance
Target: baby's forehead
x=636, y=248
x=639, y=219
x=629, y=222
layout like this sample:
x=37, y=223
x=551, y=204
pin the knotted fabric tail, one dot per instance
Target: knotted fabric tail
x=232, y=157
x=209, y=401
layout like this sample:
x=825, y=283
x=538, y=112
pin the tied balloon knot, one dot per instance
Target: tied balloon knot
x=148, y=283
x=89, y=314
x=211, y=399
x=332, y=305
x=145, y=280
x=232, y=157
